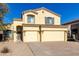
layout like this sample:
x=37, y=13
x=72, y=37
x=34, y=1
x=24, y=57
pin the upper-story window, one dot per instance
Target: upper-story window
x=30, y=19
x=49, y=20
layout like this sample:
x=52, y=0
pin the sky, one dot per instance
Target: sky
x=68, y=11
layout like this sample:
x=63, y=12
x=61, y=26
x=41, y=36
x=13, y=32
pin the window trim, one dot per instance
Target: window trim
x=48, y=23
x=33, y=20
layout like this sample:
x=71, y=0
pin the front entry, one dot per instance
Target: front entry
x=1, y=37
x=19, y=33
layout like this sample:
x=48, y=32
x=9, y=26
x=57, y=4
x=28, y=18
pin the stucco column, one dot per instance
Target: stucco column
x=65, y=36
x=15, y=36
x=14, y=33
x=24, y=36
x=40, y=33
x=69, y=29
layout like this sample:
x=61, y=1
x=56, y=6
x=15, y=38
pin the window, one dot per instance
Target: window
x=49, y=20
x=31, y=19
x=19, y=28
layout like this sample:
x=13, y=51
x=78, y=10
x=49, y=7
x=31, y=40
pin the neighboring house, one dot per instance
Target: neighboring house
x=8, y=32
x=73, y=30
x=38, y=25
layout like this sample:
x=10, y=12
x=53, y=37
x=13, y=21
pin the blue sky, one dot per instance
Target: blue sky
x=68, y=11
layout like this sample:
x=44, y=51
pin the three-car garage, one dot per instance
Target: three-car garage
x=33, y=34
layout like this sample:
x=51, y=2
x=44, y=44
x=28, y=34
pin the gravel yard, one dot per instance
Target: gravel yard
x=16, y=49
x=40, y=49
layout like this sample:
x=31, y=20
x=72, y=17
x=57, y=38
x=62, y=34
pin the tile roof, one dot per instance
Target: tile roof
x=44, y=25
x=72, y=22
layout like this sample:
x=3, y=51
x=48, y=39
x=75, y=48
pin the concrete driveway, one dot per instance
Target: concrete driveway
x=40, y=49
x=55, y=48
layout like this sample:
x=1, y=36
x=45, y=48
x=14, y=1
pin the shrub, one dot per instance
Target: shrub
x=5, y=50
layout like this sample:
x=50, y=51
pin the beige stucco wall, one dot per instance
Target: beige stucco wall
x=16, y=23
x=13, y=28
x=25, y=28
x=59, y=29
x=40, y=17
x=15, y=37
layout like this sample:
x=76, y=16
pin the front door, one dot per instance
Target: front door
x=1, y=37
x=19, y=33
x=19, y=36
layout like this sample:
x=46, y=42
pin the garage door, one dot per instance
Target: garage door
x=53, y=36
x=31, y=36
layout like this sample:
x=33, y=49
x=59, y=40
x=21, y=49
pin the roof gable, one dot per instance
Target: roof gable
x=42, y=8
x=29, y=11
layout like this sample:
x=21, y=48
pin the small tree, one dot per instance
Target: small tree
x=3, y=10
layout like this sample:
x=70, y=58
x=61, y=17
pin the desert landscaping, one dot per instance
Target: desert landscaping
x=10, y=48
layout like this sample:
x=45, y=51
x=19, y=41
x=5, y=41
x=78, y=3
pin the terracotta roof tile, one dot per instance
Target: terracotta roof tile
x=42, y=25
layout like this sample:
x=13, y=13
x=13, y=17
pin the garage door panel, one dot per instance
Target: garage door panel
x=31, y=36
x=53, y=36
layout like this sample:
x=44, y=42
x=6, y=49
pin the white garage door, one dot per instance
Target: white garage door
x=31, y=36
x=53, y=36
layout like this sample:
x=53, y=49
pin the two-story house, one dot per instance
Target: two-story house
x=38, y=25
